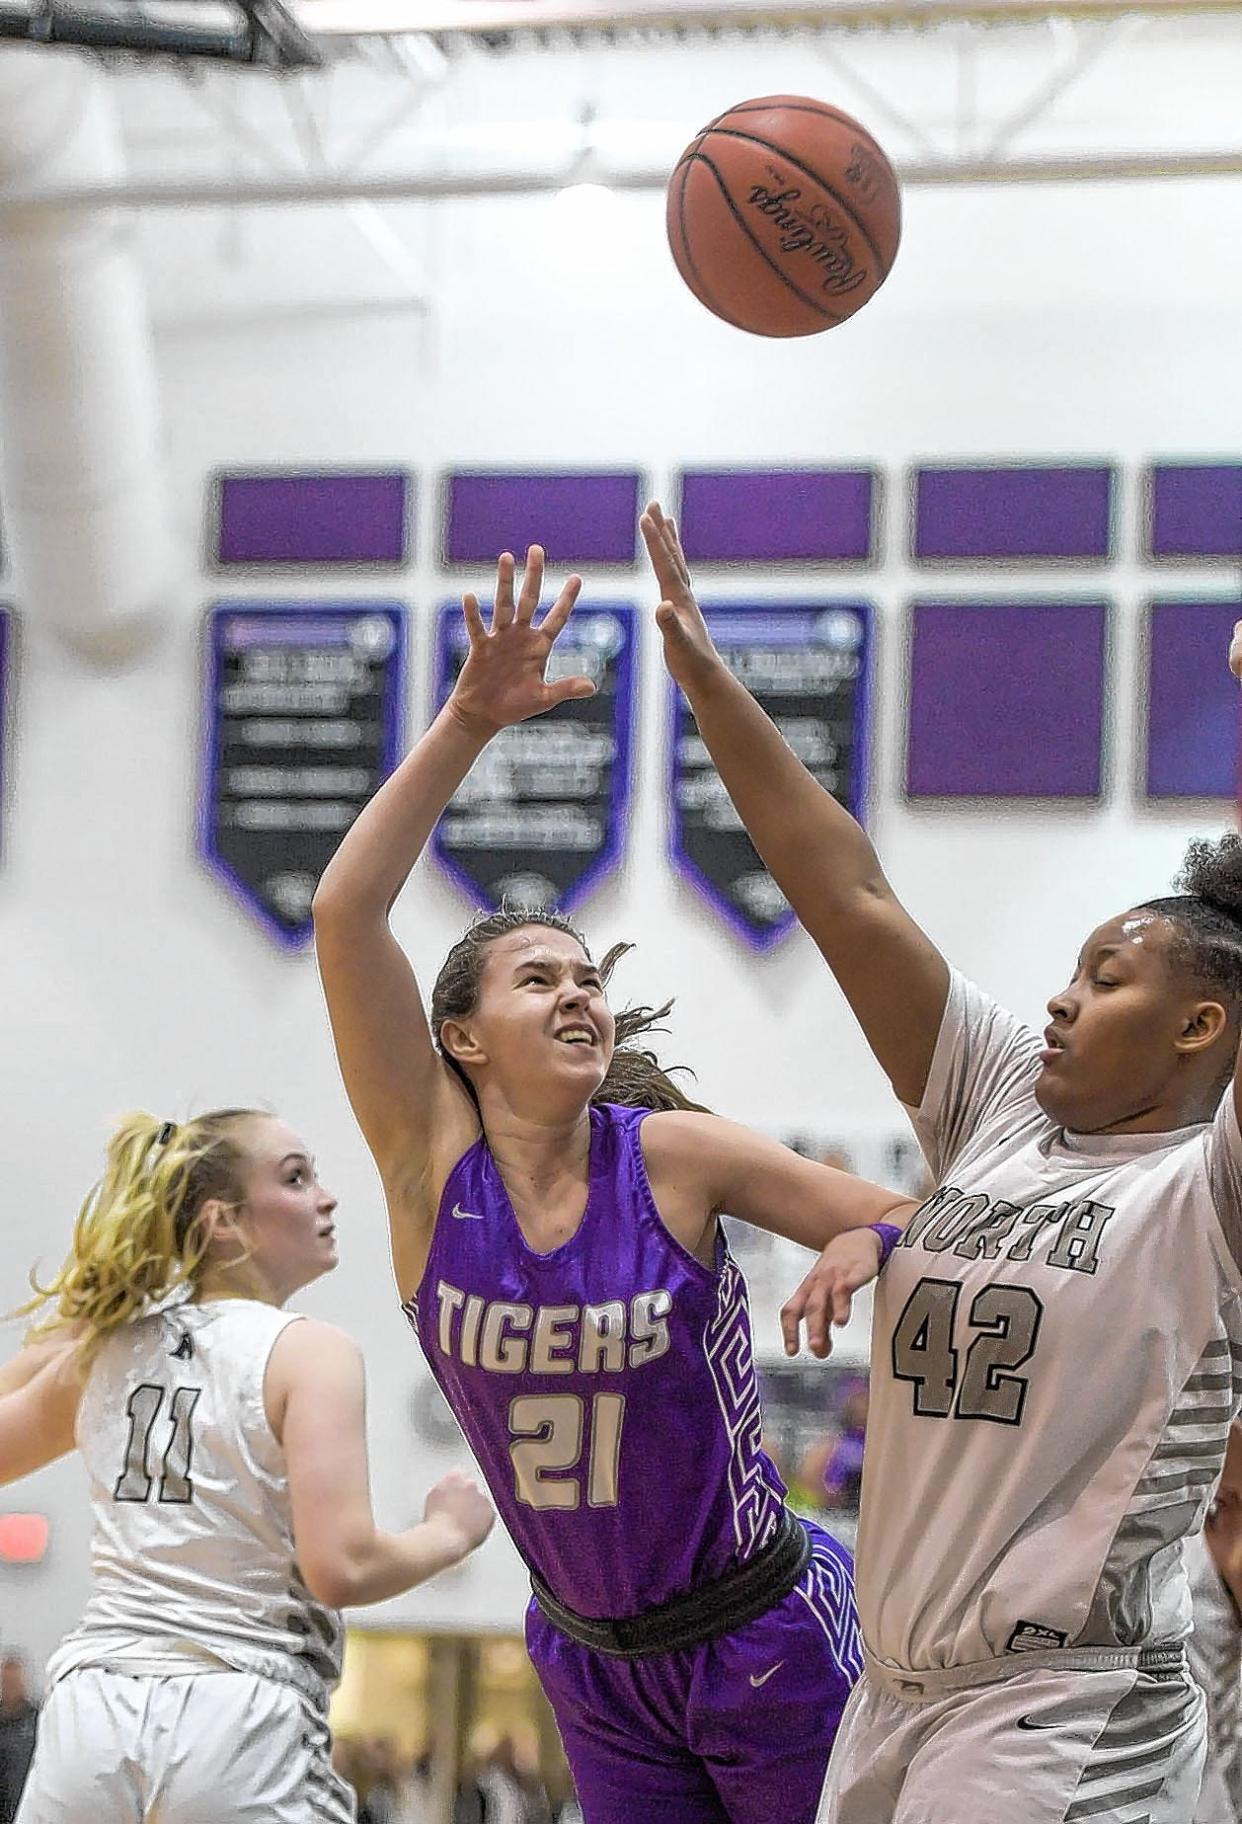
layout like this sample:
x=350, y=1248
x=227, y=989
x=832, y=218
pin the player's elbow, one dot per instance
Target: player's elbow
x=334, y=1580
x=335, y=1570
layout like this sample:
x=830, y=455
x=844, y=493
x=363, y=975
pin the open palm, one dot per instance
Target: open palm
x=503, y=679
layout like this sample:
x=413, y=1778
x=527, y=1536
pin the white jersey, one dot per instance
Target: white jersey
x=192, y=1551
x=1056, y=1359
x=1215, y=1648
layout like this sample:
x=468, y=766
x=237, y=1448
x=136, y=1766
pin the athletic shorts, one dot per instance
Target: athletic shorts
x=1035, y=1747
x=736, y=1731
x=194, y=1748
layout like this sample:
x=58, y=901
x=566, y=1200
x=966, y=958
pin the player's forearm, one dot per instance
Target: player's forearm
x=390, y=1563
x=817, y=853
x=374, y=860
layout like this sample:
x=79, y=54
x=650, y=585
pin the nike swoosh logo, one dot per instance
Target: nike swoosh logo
x=1025, y=1722
x=466, y=1215
x=756, y=1682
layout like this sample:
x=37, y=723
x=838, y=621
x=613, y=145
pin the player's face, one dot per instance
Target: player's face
x=1111, y=1046
x=286, y=1219
x=542, y=1016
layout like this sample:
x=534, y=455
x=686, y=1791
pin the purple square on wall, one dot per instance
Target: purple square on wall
x=1006, y=699
x=1002, y=512
x=307, y=518
x=1195, y=509
x=1192, y=701
x=777, y=516
x=578, y=519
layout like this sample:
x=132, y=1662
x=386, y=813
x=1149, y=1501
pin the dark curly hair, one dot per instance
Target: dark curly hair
x=635, y=1076
x=1206, y=915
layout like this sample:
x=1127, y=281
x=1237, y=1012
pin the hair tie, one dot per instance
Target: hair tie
x=167, y=1130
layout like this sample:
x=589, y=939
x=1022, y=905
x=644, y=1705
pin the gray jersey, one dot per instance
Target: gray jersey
x=1056, y=1358
x=192, y=1551
x=1215, y=1648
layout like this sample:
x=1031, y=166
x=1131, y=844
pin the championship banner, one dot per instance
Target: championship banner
x=303, y=722
x=807, y=663
x=541, y=818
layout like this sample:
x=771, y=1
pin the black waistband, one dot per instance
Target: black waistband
x=749, y=1590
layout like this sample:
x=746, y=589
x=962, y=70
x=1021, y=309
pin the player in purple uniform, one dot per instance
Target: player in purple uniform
x=560, y=1257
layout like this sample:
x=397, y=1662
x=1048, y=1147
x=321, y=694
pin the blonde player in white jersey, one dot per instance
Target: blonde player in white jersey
x=1057, y=1338
x=225, y=1448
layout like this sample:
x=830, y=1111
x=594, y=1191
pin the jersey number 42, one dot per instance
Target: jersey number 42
x=984, y=1385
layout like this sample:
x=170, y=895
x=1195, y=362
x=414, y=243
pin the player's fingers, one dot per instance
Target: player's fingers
x=532, y=584
x=473, y=617
x=842, y=1303
x=1235, y=651
x=669, y=623
x=565, y=688
x=819, y=1312
x=791, y=1318
x=502, y=607
x=561, y=609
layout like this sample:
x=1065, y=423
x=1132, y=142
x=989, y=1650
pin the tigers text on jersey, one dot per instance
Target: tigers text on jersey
x=1056, y=1358
x=607, y=1388
x=192, y=1552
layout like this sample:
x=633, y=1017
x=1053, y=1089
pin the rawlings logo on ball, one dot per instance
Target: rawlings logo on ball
x=815, y=234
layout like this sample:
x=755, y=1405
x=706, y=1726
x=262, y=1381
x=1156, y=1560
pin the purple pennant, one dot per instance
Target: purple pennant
x=1193, y=701
x=542, y=817
x=1001, y=512
x=808, y=664
x=778, y=516
x=303, y=715
x=306, y=518
x=1006, y=699
x=1194, y=510
x=586, y=518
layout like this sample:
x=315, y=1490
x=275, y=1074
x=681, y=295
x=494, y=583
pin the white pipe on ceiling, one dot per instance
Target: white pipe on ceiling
x=472, y=18
x=394, y=187
x=83, y=497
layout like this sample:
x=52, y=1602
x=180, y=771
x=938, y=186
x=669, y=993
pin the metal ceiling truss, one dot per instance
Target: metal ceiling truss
x=263, y=32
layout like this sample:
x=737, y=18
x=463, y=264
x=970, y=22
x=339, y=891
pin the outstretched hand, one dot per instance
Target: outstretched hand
x=1235, y=651
x=502, y=680
x=688, y=649
x=826, y=1296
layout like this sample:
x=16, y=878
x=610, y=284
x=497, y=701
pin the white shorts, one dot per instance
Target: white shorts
x=1036, y=1747
x=197, y=1748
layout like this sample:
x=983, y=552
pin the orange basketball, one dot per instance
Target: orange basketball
x=784, y=216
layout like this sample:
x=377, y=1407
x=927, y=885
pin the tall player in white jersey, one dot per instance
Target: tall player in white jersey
x=225, y=1447
x=1057, y=1338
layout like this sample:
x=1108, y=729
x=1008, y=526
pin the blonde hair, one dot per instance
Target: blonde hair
x=137, y=1237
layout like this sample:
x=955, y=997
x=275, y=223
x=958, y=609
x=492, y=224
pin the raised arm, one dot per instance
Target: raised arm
x=316, y=1401
x=38, y=1415
x=413, y=1111
x=700, y=1166
x=890, y=972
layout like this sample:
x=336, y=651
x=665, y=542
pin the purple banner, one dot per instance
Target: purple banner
x=312, y=517
x=304, y=709
x=778, y=516
x=1194, y=510
x=578, y=519
x=542, y=817
x=1006, y=699
x=6, y=664
x=1193, y=701
x=808, y=664
x=1004, y=512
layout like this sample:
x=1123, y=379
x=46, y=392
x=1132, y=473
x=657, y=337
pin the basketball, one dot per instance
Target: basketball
x=784, y=216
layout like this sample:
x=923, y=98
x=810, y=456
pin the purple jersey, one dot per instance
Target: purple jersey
x=607, y=1388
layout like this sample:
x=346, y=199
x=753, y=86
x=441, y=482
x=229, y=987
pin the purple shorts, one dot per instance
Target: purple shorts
x=737, y=1731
